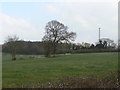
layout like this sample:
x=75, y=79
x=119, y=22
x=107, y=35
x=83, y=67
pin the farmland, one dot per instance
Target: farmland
x=29, y=71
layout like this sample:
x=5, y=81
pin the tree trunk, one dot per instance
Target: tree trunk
x=13, y=57
x=54, y=48
x=14, y=54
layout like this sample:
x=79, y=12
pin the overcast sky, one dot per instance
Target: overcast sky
x=28, y=19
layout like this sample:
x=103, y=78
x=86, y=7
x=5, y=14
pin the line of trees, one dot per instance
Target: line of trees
x=57, y=40
x=28, y=47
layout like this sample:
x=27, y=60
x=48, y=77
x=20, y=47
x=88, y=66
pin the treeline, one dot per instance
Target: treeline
x=24, y=47
x=29, y=47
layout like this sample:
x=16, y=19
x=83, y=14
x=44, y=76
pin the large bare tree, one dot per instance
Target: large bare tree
x=11, y=42
x=56, y=32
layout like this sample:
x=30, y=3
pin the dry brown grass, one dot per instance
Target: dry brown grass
x=110, y=81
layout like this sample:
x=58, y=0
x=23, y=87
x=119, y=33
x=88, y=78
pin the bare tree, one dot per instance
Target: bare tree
x=108, y=42
x=56, y=32
x=47, y=44
x=11, y=43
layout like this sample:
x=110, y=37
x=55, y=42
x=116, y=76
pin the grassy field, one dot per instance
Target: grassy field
x=29, y=71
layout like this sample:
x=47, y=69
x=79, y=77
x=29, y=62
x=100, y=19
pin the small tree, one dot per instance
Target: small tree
x=108, y=43
x=55, y=33
x=11, y=43
x=47, y=48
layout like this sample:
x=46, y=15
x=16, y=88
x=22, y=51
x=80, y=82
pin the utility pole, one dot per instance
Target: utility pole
x=99, y=34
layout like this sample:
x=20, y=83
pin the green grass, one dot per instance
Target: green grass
x=30, y=71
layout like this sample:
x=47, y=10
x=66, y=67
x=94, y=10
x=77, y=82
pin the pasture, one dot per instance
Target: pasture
x=29, y=71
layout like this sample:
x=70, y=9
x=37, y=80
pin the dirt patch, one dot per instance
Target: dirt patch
x=38, y=57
